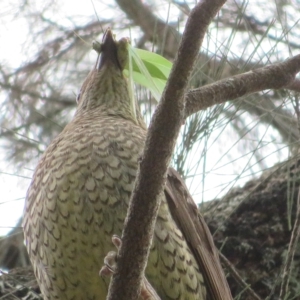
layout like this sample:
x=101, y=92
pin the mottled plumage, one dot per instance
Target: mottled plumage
x=80, y=192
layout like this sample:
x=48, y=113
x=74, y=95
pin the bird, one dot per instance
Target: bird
x=80, y=192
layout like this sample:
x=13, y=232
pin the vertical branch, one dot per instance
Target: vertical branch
x=160, y=142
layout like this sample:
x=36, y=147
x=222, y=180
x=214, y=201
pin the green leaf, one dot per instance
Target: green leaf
x=149, y=70
x=157, y=63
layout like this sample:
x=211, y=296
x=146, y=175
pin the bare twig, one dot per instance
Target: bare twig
x=160, y=142
x=237, y=277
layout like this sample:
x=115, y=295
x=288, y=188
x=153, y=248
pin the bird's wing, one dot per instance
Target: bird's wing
x=198, y=236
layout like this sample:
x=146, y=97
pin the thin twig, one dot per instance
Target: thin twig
x=237, y=277
x=291, y=252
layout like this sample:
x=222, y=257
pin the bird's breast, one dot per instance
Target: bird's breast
x=77, y=200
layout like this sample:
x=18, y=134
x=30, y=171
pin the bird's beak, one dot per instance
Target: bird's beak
x=108, y=51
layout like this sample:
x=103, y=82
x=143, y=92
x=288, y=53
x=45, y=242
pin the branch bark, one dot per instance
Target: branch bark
x=160, y=142
x=274, y=76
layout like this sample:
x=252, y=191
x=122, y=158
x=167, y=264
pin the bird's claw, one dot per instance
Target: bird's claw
x=110, y=260
x=109, y=268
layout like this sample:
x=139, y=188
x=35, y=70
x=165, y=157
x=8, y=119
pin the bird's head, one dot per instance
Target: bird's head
x=105, y=89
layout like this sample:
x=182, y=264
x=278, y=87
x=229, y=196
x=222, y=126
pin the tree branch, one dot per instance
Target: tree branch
x=160, y=142
x=275, y=76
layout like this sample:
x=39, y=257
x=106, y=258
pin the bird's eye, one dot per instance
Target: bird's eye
x=78, y=97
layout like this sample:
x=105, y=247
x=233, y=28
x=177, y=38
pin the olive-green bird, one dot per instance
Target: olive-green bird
x=80, y=192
